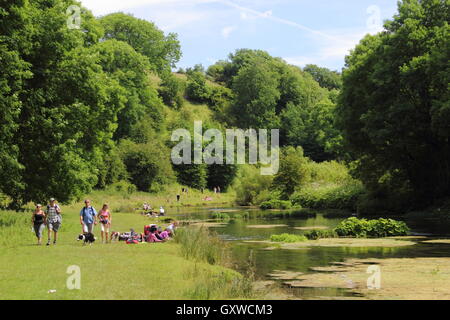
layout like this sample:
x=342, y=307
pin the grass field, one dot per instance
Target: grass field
x=122, y=201
x=108, y=271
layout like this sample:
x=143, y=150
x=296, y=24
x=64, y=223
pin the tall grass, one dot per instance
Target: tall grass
x=15, y=228
x=198, y=243
x=229, y=285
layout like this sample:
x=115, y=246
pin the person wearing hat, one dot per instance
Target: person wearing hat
x=54, y=220
x=38, y=221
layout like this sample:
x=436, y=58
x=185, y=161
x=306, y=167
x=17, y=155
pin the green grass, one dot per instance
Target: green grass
x=121, y=201
x=108, y=271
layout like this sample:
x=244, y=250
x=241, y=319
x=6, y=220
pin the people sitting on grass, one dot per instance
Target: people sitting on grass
x=172, y=227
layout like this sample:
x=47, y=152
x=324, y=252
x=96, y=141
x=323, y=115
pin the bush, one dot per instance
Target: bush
x=220, y=216
x=362, y=228
x=275, y=204
x=171, y=91
x=250, y=185
x=321, y=234
x=286, y=237
x=329, y=197
x=148, y=164
x=196, y=89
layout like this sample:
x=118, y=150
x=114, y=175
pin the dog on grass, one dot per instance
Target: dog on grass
x=87, y=238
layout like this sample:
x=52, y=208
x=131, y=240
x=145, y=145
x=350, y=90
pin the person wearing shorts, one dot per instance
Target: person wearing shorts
x=88, y=217
x=38, y=221
x=105, y=222
x=54, y=220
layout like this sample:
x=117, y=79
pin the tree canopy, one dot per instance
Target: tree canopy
x=394, y=108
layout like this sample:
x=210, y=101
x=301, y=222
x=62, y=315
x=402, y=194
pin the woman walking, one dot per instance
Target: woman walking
x=39, y=220
x=105, y=220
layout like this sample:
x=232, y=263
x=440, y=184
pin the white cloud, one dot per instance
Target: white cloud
x=330, y=51
x=102, y=7
x=227, y=31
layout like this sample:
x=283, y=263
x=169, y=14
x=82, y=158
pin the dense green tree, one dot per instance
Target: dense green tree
x=162, y=51
x=192, y=175
x=326, y=78
x=131, y=70
x=196, y=87
x=148, y=164
x=61, y=103
x=394, y=107
x=292, y=172
x=256, y=97
x=221, y=175
x=13, y=71
x=171, y=91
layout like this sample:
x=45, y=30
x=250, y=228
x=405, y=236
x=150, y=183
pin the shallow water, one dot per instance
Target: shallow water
x=263, y=261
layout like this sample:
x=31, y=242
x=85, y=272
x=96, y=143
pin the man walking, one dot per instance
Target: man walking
x=54, y=220
x=88, y=217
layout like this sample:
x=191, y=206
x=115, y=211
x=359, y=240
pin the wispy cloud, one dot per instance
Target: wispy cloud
x=268, y=15
x=101, y=7
x=227, y=31
x=330, y=51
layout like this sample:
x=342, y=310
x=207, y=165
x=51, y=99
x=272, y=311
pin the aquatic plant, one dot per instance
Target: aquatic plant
x=286, y=237
x=363, y=228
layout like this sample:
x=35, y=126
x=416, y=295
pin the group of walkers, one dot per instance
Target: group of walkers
x=52, y=219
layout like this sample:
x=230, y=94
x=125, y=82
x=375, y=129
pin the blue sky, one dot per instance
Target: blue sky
x=299, y=31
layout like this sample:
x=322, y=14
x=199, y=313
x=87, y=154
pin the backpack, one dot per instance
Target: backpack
x=84, y=211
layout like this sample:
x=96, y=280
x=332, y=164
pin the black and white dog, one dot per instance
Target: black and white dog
x=87, y=238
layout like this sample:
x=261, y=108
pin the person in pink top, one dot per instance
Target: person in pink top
x=164, y=235
x=152, y=238
x=105, y=221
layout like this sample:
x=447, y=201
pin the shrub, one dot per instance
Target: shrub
x=171, y=91
x=275, y=204
x=250, y=185
x=321, y=234
x=362, y=228
x=197, y=89
x=220, y=216
x=286, y=237
x=329, y=197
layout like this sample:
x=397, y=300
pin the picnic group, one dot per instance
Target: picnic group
x=51, y=219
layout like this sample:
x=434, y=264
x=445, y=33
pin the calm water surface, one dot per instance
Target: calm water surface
x=245, y=254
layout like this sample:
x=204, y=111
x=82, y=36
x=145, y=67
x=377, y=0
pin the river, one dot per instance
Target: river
x=245, y=254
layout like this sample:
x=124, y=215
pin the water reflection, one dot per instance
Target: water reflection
x=264, y=261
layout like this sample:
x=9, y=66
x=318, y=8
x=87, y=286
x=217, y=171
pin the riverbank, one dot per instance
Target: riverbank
x=108, y=271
